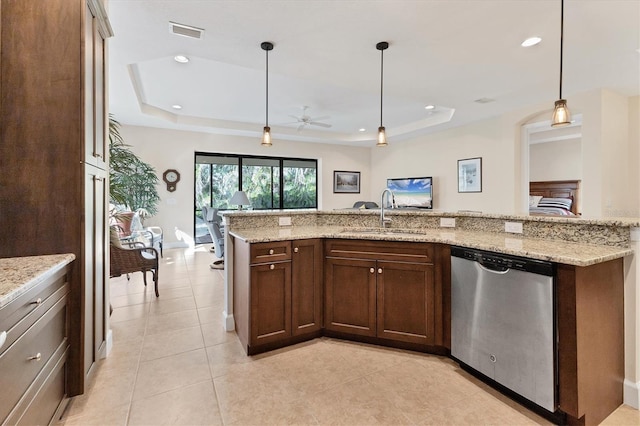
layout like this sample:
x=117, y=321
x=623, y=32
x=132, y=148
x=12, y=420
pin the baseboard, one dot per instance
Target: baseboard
x=228, y=321
x=631, y=394
x=109, y=344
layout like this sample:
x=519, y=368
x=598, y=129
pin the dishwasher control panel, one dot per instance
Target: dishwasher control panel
x=504, y=262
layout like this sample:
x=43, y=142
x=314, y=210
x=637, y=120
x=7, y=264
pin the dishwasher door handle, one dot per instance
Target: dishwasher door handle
x=484, y=268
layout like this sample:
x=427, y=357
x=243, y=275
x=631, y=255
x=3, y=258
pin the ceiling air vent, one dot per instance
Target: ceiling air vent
x=484, y=100
x=186, y=30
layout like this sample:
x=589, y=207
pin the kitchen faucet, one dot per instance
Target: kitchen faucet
x=383, y=220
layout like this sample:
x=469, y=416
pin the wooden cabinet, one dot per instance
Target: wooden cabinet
x=590, y=318
x=53, y=133
x=34, y=357
x=277, y=294
x=388, y=290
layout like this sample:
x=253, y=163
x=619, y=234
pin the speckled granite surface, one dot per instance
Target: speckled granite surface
x=19, y=274
x=543, y=249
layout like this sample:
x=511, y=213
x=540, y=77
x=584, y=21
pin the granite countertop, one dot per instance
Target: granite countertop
x=19, y=274
x=542, y=249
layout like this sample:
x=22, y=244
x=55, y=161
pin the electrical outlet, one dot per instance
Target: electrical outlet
x=284, y=221
x=513, y=227
x=447, y=222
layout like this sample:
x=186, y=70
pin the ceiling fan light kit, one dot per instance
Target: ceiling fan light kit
x=382, y=136
x=266, y=132
x=561, y=115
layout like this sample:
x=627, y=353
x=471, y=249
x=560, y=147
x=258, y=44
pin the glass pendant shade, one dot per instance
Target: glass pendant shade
x=561, y=114
x=382, y=137
x=266, y=136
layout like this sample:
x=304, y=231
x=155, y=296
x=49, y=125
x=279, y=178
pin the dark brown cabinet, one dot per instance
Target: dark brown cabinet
x=277, y=293
x=387, y=290
x=34, y=357
x=53, y=127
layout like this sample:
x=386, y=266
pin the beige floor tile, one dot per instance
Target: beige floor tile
x=131, y=299
x=172, y=321
x=162, y=306
x=129, y=330
x=103, y=416
x=623, y=416
x=355, y=403
x=127, y=313
x=277, y=413
x=190, y=405
x=210, y=314
x=176, y=292
x=214, y=334
x=172, y=372
x=229, y=357
x=171, y=342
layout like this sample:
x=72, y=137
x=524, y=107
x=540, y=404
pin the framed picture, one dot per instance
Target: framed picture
x=346, y=182
x=470, y=175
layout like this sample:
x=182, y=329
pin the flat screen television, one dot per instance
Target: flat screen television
x=412, y=192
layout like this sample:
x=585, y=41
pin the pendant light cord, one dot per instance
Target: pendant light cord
x=561, y=41
x=381, y=81
x=267, y=92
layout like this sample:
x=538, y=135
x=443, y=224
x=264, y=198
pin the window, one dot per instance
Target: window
x=270, y=183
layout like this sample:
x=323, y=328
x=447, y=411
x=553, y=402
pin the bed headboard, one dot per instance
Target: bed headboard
x=558, y=189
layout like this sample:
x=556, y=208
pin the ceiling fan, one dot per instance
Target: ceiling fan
x=305, y=120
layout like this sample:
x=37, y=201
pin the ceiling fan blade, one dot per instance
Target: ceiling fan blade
x=300, y=127
x=324, y=117
x=314, y=123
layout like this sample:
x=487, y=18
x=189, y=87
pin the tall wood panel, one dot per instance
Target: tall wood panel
x=43, y=133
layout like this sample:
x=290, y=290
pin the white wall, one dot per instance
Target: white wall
x=172, y=149
x=557, y=160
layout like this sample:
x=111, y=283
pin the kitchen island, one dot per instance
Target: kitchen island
x=340, y=274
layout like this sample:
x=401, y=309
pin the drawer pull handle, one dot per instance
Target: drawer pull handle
x=379, y=270
x=295, y=250
x=36, y=357
x=372, y=270
x=3, y=338
x=272, y=267
x=37, y=301
x=271, y=251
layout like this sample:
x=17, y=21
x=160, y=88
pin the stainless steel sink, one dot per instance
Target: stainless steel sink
x=382, y=231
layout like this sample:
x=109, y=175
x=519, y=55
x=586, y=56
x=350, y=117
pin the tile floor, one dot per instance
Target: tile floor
x=173, y=364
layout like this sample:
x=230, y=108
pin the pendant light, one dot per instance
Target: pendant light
x=266, y=132
x=382, y=137
x=561, y=115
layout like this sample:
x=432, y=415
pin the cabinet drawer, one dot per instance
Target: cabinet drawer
x=19, y=365
x=276, y=251
x=381, y=250
x=21, y=313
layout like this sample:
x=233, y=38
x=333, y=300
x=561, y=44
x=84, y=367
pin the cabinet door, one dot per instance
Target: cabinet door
x=350, y=296
x=406, y=302
x=306, y=286
x=270, y=302
x=95, y=328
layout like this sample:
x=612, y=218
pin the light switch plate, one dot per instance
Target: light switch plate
x=447, y=222
x=513, y=227
x=284, y=221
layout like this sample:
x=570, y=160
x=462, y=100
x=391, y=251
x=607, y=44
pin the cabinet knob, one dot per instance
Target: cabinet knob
x=379, y=270
x=3, y=338
x=37, y=301
x=272, y=267
x=372, y=270
x=36, y=357
x=295, y=249
x=271, y=251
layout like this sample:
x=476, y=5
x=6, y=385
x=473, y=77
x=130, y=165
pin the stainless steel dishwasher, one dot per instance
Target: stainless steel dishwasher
x=502, y=321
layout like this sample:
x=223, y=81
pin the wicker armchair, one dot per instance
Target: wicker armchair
x=138, y=259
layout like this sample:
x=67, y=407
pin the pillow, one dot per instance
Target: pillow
x=534, y=200
x=563, y=203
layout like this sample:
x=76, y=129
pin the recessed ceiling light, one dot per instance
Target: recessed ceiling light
x=176, y=106
x=362, y=129
x=531, y=41
x=430, y=107
x=181, y=58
